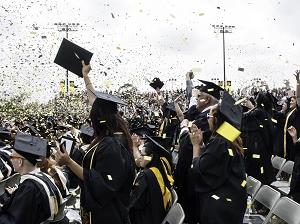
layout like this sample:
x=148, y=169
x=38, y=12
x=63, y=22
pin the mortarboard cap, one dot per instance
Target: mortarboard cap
x=211, y=89
x=156, y=83
x=142, y=131
x=233, y=113
x=108, y=97
x=154, y=146
x=30, y=147
x=87, y=130
x=230, y=129
x=70, y=55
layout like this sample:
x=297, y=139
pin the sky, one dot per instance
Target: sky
x=134, y=41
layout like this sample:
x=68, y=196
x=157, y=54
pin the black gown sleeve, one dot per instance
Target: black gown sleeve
x=210, y=168
x=107, y=175
x=138, y=197
x=28, y=204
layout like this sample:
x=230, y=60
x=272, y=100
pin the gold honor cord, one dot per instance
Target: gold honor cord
x=284, y=131
x=228, y=131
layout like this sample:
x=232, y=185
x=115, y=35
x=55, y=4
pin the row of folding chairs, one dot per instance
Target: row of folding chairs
x=283, y=207
x=285, y=170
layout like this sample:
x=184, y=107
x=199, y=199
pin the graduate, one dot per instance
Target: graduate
x=258, y=131
x=207, y=97
x=37, y=191
x=218, y=167
x=150, y=198
x=107, y=170
x=292, y=119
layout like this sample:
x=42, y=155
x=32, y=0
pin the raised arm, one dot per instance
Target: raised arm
x=88, y=84
x=297, y=87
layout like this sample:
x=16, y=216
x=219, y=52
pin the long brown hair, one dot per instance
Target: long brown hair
x=106, y=121
x=237, y=144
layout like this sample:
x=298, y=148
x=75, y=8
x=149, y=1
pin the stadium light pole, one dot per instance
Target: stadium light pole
x=223, y=29
x=67, y=27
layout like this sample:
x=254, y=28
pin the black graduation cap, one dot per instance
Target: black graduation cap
x=156, y=83
x=241, y=69
x=30, y=147
x=154, y=146
x=108, y=97
x=211, y=89
x=233, y=113
x=142, y=131
x=70, y=55
x=5, y=134
x=87, y=130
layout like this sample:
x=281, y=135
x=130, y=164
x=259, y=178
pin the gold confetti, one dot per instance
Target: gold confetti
x=261, y=170
x=192, y=166
x=147, y=158
x=210, y=90
x=261, y=126
x=256, y=156
x=102, y=122
x=245, y=148
x=164, y=135
x=230, y=152
x=243, y=184
x=228, y=199
x=109, y=177
x=215, y=197
x=274, y=120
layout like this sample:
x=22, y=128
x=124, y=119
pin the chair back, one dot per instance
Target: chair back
x=287, y=210
x=174, y=196
x=267, y=196
x=253, y=186
x=277, y=163
x=175, y=215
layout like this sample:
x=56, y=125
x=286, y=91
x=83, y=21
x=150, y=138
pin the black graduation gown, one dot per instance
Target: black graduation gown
x=258, y=139
x=192, y=113
x=183, y=179
x=28, y=205
x=294, y=120
x=106, y=187
x=219, y=177
x=146, y=202
x=295, y=181
x=279, y=133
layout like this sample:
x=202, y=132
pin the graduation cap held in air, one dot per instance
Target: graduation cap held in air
x=230, y=129
x=70, y=55
x=30, y=147
x=156, y=83
x=211, y=89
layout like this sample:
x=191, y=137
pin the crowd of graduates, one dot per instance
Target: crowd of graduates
x=128, y=157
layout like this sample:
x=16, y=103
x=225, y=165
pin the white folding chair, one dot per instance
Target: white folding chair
x=287, y=168
x=267, y=196
x=174, y=196
x=277, y=163
x=287, y=210
x=253, y=186
x=175, y=215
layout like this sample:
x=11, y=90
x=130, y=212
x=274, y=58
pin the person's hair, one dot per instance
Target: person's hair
x=265, y=102
x=106, y=120
x=237, y=145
